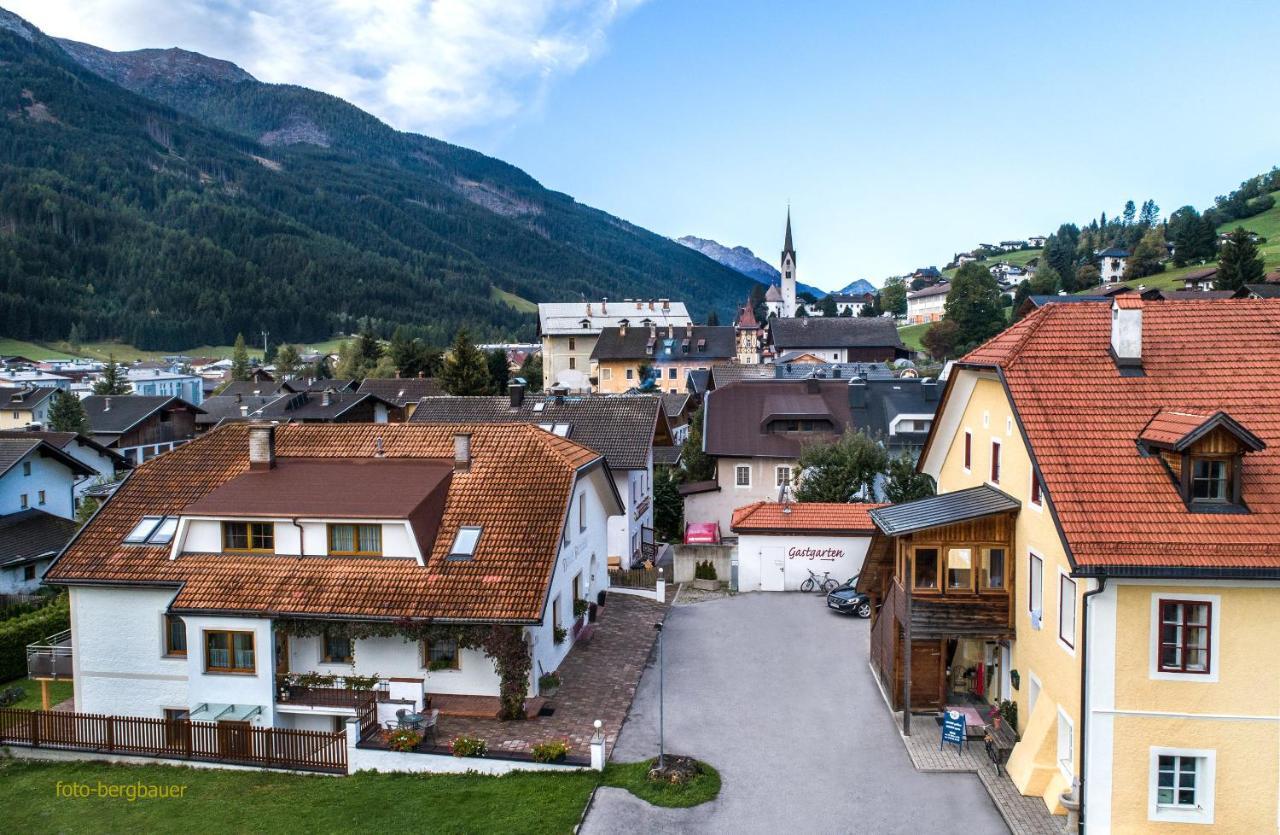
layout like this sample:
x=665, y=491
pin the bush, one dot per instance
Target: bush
x=548, y=681
x=26, y=629
x=579, y=608
x=439, y=664
x=361, y=682
x=404, y=739
x=468, y=746
x=705, y=570
x=551, y=752
x=11, y=696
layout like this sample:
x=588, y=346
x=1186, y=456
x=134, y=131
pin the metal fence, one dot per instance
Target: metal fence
x=227, y=742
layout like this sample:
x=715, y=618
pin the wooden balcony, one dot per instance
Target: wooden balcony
x=296, y=690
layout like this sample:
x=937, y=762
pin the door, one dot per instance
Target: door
x=772, y=566
x=282, y=653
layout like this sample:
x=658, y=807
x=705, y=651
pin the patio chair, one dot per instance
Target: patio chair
x=429, y=724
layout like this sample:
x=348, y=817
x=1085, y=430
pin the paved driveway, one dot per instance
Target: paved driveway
x=775, y=691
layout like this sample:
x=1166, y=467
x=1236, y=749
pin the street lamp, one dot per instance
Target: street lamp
x=658, y=626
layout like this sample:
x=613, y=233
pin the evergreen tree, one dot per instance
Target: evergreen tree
x=240, y=360
x=351, y=362
x=499, y=370
x=973, y=305
x=1148, y=256
x=287, y=361
x=1130, y=213
x=713, y=319
x=668, y=506
x=695, y=464
x=113, y=379
x=465, y=371
x=903, y=484
x=801, y=313
x=531, y=371
x=368, y=348
x=1238, y=262
x=1044, y=282
x=1060, y=253
x=828, y=306
x=87, y=508
x=1149, y=215
x=67, y=414
x=321, y=369
x=74, y=338
x=844, y=470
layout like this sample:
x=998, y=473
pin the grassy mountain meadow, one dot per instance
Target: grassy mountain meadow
x=200, y=203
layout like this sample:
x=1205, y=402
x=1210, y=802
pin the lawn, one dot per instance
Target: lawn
x=59, y=691
x=1019, y=258
x=912, y=334
x=127, y=353
x=511, y=299
x=254, y=801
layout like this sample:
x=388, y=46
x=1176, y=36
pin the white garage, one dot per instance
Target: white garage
x=779, y=544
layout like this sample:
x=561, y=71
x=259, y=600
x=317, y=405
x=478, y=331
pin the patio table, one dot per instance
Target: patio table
x=412, y=720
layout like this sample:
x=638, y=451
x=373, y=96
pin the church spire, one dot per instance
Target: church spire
x=787, y=246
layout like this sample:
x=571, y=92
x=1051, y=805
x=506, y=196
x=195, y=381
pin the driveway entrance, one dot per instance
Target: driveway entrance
x=775, y=692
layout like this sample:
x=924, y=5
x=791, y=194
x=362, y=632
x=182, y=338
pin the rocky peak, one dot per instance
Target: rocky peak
x=142, y=67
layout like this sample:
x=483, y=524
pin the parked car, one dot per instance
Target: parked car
x=849, y=601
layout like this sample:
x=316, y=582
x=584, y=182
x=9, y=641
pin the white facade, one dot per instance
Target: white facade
x=927, y=305
x=38, y=483
x=570, y=330
x=1112, y=267
x=626, y=530
x=14, y=378
x=160, y=383
x=103, y=464
x=782, y=561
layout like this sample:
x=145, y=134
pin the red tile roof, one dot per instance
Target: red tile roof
x=1169, y=427
x=517, y=488
x=816, y=517
x=1116, y=506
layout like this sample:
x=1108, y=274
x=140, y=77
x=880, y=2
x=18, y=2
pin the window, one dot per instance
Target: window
x=555, y=612
x=783, y=476
x=248, y=536
x=606, y=373
x=1036, y=498
x=573, y=344
x=1035, y=590
x=582, y=512
x=28, y=573
x=143, y=530
x=163, y=534
x=1066, y=744
x=336, y=649
x=924, y=574
x=1067, y=610
x=1185, y=626
x=40, y=497
x=993, y=569
x=968, y=450
x=1176, y=781
x=26, y=465
x=175, y=636
x=355, y=539
x=1181, y=786
x=1210, y=479
x=25, y=503
x=228, y=652
x=995, y=462
x=573, y=363
x=464, y=544
x=742, y=476
x=960, y=569
x=631, y=373
x=440, y=654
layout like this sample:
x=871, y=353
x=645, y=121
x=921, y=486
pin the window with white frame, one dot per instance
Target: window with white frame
x=783, y=476
x=742, y=475
x=1035, y=590
x=1181, y=785
x=1067, y=610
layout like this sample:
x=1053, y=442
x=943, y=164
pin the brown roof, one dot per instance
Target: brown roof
x=734, y=415
x=517, y=489
x=1115, y=506
x=818, y=517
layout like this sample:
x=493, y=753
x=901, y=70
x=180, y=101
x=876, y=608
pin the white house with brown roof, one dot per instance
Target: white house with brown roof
x=230, y=581
x=927, y=304
x=569, y=332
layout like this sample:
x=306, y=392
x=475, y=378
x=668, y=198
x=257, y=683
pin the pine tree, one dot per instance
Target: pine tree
x=827, y=307
x=240, y=360
x=531, y=371
x=903, y=484
x=1149, y=215
x=287, y=361
x=74, y=338
x=67, y=414
x=1238, y=262
x=368, y=348
x=668, y=506
x=113, y=379
x=713, y=319
x=465, y=371
x=695, y=464
x=499, y=371
x=1130, y=213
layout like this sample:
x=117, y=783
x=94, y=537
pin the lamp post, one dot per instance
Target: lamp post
x=661, y=747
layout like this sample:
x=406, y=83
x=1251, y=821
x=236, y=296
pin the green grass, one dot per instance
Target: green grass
x=127, y=353
x=912, y=334
x=512, y=300
x=30, y=350
x=634, y=777
x=59, y=691
x=1019, y=259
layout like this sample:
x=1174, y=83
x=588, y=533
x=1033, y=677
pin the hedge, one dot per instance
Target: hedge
x=17, y=632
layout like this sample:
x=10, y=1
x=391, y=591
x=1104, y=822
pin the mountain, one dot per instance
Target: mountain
x=169, y=199
x=744, y=261
x=858, y=287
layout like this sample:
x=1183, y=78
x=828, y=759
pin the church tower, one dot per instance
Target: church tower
x=788, y=273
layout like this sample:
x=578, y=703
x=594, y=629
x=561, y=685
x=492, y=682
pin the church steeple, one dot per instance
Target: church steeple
x=787, y=247
x=788, y=273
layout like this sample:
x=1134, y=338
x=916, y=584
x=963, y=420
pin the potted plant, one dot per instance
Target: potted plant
x=439, y=664
x=552, y=751
x=549, y=684
x=704, y=576
x=579, y=608
x=559, y=634
x=404, y=739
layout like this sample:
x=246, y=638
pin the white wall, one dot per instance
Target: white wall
x=257, y=688
x=119, y=662
x=841, y=555
x=12, y=582
x=204, y=536
x=53, y=477
x=396, y=657
x=85, y=454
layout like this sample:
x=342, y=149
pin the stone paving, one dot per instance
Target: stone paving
x=598, y=681
x=1024, y=815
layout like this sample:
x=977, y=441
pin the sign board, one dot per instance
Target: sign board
x=953, y=729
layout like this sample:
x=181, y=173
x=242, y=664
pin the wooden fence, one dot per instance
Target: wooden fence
x=226, y=742
x=636, y=578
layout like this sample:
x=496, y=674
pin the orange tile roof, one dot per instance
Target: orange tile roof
x=1083, y=420
x=518, y=488
x=1169, y=426
x=823, y=517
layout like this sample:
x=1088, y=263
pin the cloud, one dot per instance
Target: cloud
x=434, y=66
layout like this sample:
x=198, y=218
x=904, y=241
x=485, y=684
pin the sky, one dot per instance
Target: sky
x=900, y=132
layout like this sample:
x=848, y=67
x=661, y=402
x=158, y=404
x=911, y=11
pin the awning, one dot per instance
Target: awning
x=946, y=509
x=214, y=712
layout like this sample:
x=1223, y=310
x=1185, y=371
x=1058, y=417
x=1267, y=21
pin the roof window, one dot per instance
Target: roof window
x=561, y=429
x=464, y=544
x=153, y=530
x=164, y=532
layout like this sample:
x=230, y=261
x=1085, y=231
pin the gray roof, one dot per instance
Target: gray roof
x=14, y=449
x=676, y=344
x=30, y=534
x=1264, y=291
x=233, y=407
x=622, y=429
x=64, y=439
x=567, y=317
x=839, y=332
x=24, y=397
x=674, y=403
x=697, y=381
x=667, y=455
x=116, y=414
x=946, y=509
x=254, y=388
x=731, y=372
x=310, y=405
x=832, y=370
x=402, y=391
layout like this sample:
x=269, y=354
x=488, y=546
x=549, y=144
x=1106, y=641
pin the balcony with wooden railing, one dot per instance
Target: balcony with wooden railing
x=327, y=691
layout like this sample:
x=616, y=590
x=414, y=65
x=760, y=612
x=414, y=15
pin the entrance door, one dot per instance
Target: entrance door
x=282, y=653
x=772, y=565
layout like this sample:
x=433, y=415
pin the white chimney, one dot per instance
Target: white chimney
x=262, y=447
x=106, y=405
x=462, y=452
x=1126, y=331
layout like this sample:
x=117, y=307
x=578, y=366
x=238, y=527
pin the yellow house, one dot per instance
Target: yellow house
x=25, y=406
x=1142, y=442
x=628, y=357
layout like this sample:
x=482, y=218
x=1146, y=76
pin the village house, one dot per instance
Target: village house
x=927, y=304
x=569, y=332
x=625, y=430
x=159, y=382
x=666, y=354
x=37, y=507
x=225, y=579
x=1111, y=264
x=139, y=427
x=751, y=336
x=779, y=544
x=1037, y=241
x=328, y=406
x=402, y=393
x=14, y=376
x=1103, y=552
x=838, y=339
x=106, y=464
x=25, y=406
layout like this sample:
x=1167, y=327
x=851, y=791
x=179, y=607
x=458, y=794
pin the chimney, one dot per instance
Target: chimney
x=462, y=452
x=929, y=388
x=1126, y=334
x=244, y=411
x=262, y=447
x=671, y=331
x=858, y=393
x=688, y=330
x=653, y=330
x=515, y=390
x=558, y=394
x=639, y=304
x=651, y=304
x=378, y=451
x=106, y=405
x=811, y=385
x=622, y=328
x=604, y=307
x=588, y=309
x=666, y=304
x=326, y=398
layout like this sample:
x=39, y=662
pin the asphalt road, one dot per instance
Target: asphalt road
x=774, y=691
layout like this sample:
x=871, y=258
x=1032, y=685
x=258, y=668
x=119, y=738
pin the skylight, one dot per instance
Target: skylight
x=143, y=529
x=164, y=531
x=561, y=429
x=464, y=544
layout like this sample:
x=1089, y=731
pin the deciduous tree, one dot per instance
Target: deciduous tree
x=843, y=470
x=287, y=361
x=1148, y=256
x=941, y=339
x=973, y=304
x=903, y=484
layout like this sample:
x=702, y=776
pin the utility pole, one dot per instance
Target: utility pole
x=264, y=347
x=661, y=746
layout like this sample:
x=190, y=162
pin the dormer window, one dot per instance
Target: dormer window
x=464, y=544
x=249, y=537
x=1210, y=479
x=1204, y=455
x=355, y=540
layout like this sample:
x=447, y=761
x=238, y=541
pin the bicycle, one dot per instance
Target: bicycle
x=825, y=585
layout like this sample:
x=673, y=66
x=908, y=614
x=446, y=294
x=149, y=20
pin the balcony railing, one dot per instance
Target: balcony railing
x=50, y=658
x=297, y=689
